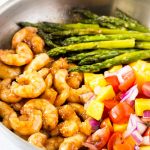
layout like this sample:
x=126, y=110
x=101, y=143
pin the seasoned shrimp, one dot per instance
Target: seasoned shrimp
x=49, y=111
x=73, y=143
x=39, y=61
x=61, y=63
x=79, y=109
x=43, y=72
x=49, y=94
x=23, y=35
x=74, y=94
x=53, y=143
x=5, y=111
x=6, y=94
x=68, y=128
x=22, y=57
x=29, y=85
x=61, y=86
x=37, y=44
x=38, y=139
x=74, y=79
x=49, y=80
x=54, y=132
x=28, y=123
x=9, y=71
x=17, y=106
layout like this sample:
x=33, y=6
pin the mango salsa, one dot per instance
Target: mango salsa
x=94, y=80
x=95, y=109
x=145, y=148
x=115, y=68
x=106, y=93
x=119, y=127
x=142, y=72
x=141, y=105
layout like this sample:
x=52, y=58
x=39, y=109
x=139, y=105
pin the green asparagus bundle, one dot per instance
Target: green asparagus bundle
x=128, y=43
x=81, y=39
x=143, y=45
x=125, y=58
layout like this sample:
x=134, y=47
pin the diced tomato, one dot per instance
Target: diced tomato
x=109, y=104
x=147, y=132
x=120, y=113
x=146, y=89
x=113, y=80
x=116, y=138
x=106, y=122
x=123, y=146
x=129, y=79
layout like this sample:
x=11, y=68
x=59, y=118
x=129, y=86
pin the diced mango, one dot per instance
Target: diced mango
x=119, y=127
x=105, y=93
x=115, y=68
x=142, y=72
x=95, y=109
x=144, y=147
x=94, y=80
x=141, y=105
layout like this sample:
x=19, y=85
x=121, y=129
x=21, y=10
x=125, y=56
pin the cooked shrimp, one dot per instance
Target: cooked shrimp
x=79, y=109
x=23, y=35
x=49, y=111
x=43, y=72
x=73, y=143
x=49, y=80
x=9, y=71
x=85, y=127
x=22, y=57
x=28, y=123
x=5, y=111
x=53, y=143
x=38, y=139
x=29, y=85
x=54, y=132
x=49, y=94
x=74, y=79
x=61, y=63
x=37, y=44
x=61, y=86
x=6, y=94
x=99, y=138
x=39, y=61
x=68, y=128
x=74, y=94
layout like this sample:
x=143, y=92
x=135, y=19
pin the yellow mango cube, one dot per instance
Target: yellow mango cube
x=95, y=109
x=142, y=72
x=144, y=147
x=115, y=68
x=141, y=105
x=105, y=93
x=119, y=127
x=94, y=80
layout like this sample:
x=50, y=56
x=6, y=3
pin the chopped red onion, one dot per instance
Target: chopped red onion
x=97, y=90
x=137, y=137
x=107, y=73
x=146, y=140
x=90, y=146
x=135, y=124
x=86, y=96
x=146, y=114
x=130, y=95
x=136, y=147
x=95, y=124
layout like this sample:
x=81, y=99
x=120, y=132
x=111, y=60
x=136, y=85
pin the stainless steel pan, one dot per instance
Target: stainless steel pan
x=55, y=11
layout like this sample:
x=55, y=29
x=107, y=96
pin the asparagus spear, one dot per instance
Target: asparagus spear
x=102, y=56
x=86, y=13
x=47, y=39
x=125, y=17
x=128, y=43
x=121, y=59
x=73, y=32
x=101, y=37
x=142, y=45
